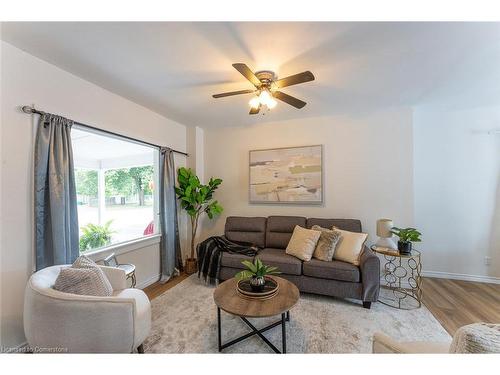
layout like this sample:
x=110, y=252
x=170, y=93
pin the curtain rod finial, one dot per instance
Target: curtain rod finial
x=27, y=109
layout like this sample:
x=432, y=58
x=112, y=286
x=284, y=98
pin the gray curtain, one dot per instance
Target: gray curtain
x=56, y=216
x=170, y=248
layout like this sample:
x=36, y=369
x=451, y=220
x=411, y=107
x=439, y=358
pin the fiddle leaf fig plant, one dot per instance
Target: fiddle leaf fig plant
x=407, y=234
x=196, y=198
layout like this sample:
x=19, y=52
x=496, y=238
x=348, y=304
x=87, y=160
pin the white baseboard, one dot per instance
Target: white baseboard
x=148, y=282
x=461, y=276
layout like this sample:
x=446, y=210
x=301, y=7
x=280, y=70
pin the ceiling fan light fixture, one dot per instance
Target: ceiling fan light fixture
x=265, y=97
x=268, y=88
x=271, y=103
x=254, y=102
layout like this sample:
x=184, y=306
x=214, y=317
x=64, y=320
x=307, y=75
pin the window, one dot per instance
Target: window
x=115, y=187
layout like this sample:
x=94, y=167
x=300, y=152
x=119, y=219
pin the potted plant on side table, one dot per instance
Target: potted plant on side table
x=406, y=237
x=196, y=199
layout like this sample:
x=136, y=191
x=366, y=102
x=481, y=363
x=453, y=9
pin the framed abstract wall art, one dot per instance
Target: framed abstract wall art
x=287, y=175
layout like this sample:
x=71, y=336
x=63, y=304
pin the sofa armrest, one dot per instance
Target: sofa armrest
x=369, y=265
x=116, y=277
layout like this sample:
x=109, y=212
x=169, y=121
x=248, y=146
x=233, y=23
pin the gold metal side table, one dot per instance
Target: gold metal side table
x=402, y=279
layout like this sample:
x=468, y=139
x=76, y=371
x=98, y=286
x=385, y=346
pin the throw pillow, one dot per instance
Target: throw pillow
x=303, y=243
x=349, y=246
x=326, y=244
x=84, y=261
x=84, y=277
x=476, y=338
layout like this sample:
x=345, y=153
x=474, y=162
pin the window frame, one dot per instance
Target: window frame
x=133, y=244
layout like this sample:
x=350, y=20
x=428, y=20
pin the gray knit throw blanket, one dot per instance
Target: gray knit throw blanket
x=210, y=251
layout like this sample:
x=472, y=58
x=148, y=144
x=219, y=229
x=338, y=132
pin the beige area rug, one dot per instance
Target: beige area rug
x=185, y=321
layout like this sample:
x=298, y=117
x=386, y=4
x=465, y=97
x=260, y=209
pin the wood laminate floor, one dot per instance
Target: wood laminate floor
x=157, y=289
x=453, y=303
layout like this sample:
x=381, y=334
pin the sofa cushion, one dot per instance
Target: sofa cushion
x=279, y=230
x=234, y=260
x=334, y=270
x=246, y=229
x=352, y=225
x=286, y=264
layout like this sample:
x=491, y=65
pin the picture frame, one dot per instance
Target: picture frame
x=286, y=175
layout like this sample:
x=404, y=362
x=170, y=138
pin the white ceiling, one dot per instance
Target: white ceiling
x=174, y=68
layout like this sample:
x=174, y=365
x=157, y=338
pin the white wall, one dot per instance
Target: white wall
x=195, y=148
x=28, y=80
x=196, y=161
x=435, y=168
x=367, y=166
x=457, y=190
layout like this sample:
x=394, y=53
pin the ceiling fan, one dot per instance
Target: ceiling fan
x=267, y=87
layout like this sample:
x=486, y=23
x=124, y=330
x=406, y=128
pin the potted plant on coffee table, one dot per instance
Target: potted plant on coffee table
x=256, y=272
x=196, y=199
x=406, y=237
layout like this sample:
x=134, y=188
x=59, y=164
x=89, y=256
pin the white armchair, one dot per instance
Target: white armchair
x=60, y=321
x=471, y=338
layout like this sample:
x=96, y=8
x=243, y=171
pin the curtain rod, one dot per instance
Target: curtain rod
x=30, y=110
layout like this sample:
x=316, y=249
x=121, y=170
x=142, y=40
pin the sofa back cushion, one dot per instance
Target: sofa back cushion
x=351, y=225
x=246, y=229
x=280, y=228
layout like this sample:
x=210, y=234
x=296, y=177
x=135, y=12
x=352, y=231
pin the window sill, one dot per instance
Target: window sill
x=123, y=248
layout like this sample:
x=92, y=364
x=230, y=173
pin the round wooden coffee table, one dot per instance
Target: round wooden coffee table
x=227, y=298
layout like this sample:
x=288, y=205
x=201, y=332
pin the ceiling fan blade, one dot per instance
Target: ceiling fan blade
x=295, y=79
x=297, y=103
x=248, y=74
x=231, y=93
x=254, y=111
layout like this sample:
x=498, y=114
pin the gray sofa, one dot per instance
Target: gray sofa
x=334, y=278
